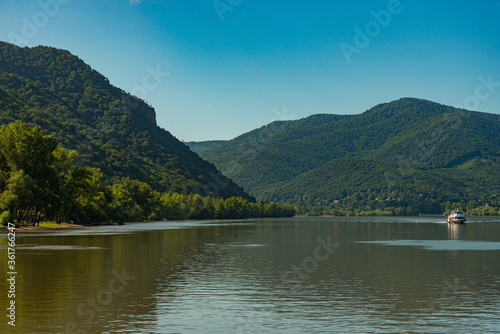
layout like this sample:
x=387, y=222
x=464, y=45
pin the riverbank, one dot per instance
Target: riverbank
x=50, y=226
x=42, y=227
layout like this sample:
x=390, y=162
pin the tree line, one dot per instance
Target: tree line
x=40, y=180
x=395, y=206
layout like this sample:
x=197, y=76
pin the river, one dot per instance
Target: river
x=299, y=275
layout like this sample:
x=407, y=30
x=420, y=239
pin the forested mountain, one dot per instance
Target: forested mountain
x=408, y=156
x=203, y=146
x=111, y=129
x=411, y=153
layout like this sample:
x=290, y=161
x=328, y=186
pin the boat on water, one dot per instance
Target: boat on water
x=456, y=217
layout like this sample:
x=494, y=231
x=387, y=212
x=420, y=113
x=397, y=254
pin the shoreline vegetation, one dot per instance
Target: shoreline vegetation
x=52, y=226
x=336, y=211
x=41, y=181
x=44, y=227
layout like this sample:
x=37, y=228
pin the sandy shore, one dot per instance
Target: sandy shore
x=41, y=228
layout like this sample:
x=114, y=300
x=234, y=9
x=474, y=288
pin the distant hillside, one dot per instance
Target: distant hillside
x=401, y=149
x=113, y=130
x=204, y=146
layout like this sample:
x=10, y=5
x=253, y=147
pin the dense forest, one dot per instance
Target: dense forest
x=204, y=146
x=40, y=180
x=112, y=130
x=406, y=157
x=105, y=160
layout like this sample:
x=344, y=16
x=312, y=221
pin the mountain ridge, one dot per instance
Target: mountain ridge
x=113, y=130
x=430, y=139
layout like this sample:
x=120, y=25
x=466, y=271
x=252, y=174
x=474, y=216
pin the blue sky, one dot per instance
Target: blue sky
x=216, y=69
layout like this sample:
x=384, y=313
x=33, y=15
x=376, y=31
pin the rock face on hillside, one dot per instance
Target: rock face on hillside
x=113, y=130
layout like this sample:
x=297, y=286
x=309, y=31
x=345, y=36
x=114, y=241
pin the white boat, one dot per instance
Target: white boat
x=456, y=217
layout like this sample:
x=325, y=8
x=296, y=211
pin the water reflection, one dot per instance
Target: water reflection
x=456, y=231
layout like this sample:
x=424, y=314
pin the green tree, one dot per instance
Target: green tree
x=27, y=159
x=138, y=199
x=16, y=199
x=95, y=201
x=73, y=182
